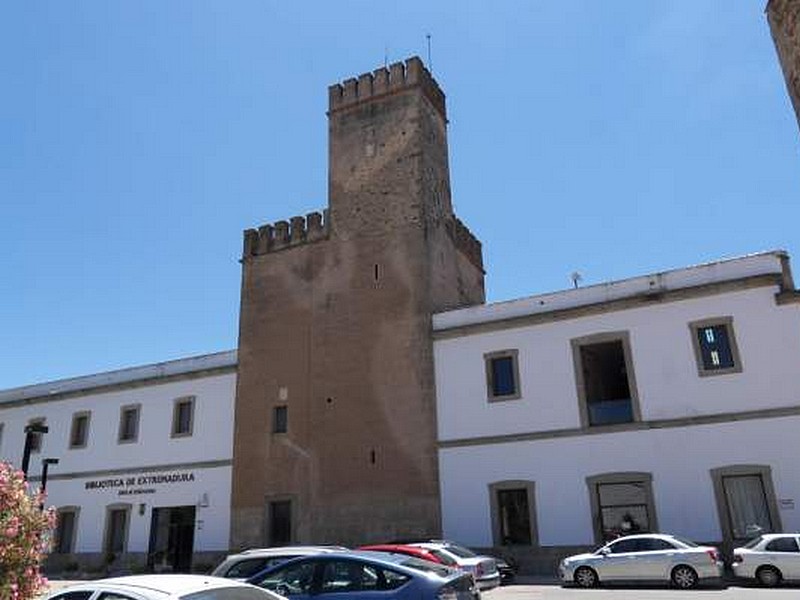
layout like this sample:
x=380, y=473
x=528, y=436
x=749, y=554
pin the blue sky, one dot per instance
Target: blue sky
x=138, y=140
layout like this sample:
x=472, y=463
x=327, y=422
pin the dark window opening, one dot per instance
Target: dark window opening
x=783, y=544
x=605, y=379
x=36, y=437
x=80, y=429
x=65, y=532
x=715, y=347
x=280, y=523
x=182, y=417
x=117, y=531
x=129, y=424
x=515, y=522
x=280, y=419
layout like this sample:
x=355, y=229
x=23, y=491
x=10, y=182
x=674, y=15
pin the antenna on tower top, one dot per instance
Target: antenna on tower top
x=430, y=64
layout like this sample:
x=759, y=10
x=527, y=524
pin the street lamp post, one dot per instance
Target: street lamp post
x=30, y=431
x=46, y=462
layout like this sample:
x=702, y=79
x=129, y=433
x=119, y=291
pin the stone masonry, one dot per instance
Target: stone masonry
x=335, y=326
x=784, y=22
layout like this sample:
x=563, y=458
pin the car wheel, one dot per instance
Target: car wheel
x=585, y=577
x=768, y=576
x=684, y=577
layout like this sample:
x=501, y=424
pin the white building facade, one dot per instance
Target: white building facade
x=144, y=461
x=667, y=403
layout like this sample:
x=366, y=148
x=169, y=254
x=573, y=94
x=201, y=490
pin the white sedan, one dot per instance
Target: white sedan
x=770, y=558
x=163, y=587
x=645, y=557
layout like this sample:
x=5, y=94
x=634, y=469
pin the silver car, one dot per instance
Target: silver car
x=769, y=559
x=644, y=557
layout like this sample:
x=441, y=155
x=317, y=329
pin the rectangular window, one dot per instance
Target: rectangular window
x=79, y=432
x=746, y=501
x=515, y=522
x=280, y=419
x=623, y=508
x=606, y=386
x=129, y=423
x=715, y=346
x=183, y=417
x=280, y=522
x=66, y=521
x=502, y=375
x=36, y=437
x=116, y=530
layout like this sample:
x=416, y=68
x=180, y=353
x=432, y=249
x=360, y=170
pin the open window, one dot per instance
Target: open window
x=605, y=380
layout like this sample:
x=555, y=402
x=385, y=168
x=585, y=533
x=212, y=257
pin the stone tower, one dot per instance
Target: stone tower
x=335, y=412
x=784, y=22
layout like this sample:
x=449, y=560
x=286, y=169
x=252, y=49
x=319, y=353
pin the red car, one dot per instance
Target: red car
x=415, y=551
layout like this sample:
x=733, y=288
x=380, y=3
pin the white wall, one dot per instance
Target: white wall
x=104, y=458
x=679, y=459
x=768, y=337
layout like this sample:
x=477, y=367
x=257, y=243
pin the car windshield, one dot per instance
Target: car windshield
x=232, y=593
x=443, y=556
x=427, y=566
x=686, y=542
x=461, y=551
x=754, y=542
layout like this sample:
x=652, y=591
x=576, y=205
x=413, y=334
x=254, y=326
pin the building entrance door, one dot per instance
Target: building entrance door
x=171, y=539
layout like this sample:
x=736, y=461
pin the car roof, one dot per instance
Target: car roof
x=278, y=550
x=386, y=559
x=166, y=584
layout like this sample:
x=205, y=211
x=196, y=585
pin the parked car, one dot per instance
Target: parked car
x=249, y=562
x=769, y=559
x=164, y=587
x=415, y=551
x=644, y=557
x=507, y=570
x=482, y=568
x=364, y=575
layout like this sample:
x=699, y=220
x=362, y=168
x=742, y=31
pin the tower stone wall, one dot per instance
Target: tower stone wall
x=335, y=325
x=784, y=22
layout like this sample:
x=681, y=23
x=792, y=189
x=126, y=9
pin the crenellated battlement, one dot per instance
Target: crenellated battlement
x=385, y=81
x=286, y=234
x=465, y=242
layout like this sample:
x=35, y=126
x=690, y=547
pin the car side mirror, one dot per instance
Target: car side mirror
x=604, y=552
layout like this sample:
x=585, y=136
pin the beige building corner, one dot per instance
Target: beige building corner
x=784, y=23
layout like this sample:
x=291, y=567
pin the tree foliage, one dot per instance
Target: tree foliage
x=25, y=531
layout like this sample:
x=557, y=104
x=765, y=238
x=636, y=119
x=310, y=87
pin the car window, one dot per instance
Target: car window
x=247, y=568
x=754, y=542
x=82, y=595
x=114, y=596
x=393, y=579
x=443, y=556
x=349, y=576
x=624, y=546
x=782, y=544
x=427, y=566
x=654, y=544
x=461, y=551
x=296, y=578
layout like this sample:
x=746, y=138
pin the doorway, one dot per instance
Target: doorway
x=171, y=539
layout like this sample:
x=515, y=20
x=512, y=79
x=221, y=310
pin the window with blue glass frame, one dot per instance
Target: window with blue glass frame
x=715, y=346
x=502, y=375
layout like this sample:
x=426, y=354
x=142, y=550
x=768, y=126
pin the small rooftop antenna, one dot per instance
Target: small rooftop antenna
x=576, y=279
x=385, y=57
x=430, y=64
